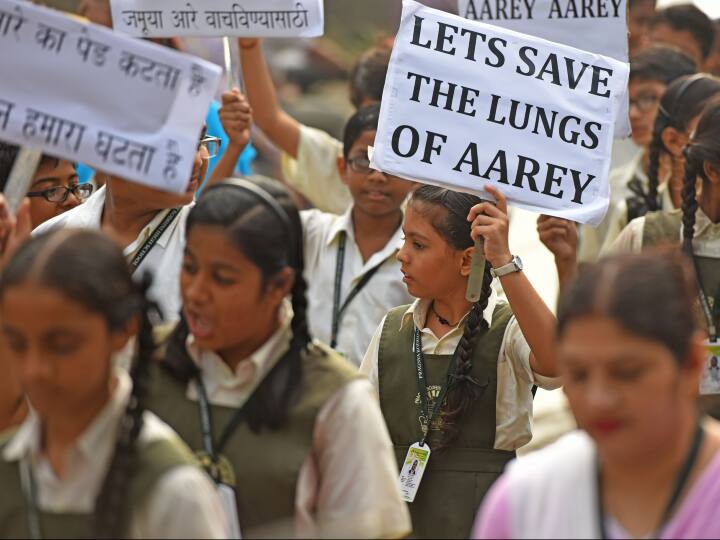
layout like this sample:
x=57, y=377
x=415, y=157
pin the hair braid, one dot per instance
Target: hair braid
x=655, y=151
x=689, y=200
x=112, y=508
x=464, y=389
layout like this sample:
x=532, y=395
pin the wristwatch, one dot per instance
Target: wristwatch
x=515, y=265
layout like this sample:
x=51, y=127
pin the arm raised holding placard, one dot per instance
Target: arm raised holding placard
x=536, y=321
x=560, y=236
x=236, y=117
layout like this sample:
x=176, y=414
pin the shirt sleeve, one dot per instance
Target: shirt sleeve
x=184, y=504
x=369, y=366
x=629, y=240
x=493, y=520
x=357, y=490
x=516, y=351
x=314, y=173
x=618, y=222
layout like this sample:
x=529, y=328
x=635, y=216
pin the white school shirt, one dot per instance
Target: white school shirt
x=347, y=485
x=515, y=377
x=183, y=503
x=706, y=242
x=383, y=292
x=164, y=260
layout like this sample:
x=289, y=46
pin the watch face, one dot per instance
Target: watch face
x=518, y=262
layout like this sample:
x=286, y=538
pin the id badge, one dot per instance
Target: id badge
x=710, y=382
x=227, y=499
x=412, y=471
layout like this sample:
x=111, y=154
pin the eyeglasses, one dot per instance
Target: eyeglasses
x=645, y=102
x=60, y=194
x=211, y=144
x=360, y=165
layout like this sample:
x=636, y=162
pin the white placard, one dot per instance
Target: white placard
x=455, y=103
x=597, y=26
x=219, y=18
x=81, y=92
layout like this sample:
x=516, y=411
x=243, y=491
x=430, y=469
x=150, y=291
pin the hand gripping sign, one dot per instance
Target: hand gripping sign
x=219, y=18
x=81, y=92
x=466, y=104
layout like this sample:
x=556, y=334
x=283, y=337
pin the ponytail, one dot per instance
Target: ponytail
x=112, y=508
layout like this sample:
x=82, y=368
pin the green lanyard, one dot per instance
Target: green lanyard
x=339, y=310
x=711, y=315
x=31, y=498
x=422, y=384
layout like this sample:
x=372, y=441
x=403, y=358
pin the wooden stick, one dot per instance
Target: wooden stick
x=20, y=180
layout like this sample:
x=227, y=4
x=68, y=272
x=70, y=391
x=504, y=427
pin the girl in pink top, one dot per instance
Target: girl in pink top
x=645, y=464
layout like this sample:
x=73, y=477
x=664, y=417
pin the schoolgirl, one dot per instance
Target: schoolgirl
x=89, y=461
x=282, y=423
x=454, y=375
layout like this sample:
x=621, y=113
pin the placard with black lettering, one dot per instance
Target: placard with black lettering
x=468, y=104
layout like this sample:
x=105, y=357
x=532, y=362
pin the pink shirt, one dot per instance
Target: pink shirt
x=698, y=516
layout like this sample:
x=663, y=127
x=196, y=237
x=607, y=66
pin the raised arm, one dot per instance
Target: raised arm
x=236, y=117
x=560, y=236
x=281, y=128
x=536, y=321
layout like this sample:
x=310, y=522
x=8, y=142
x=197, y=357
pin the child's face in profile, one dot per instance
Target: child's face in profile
x=373, y=192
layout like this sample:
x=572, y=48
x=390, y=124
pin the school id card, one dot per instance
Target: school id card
x=710, y=382
x=412, y=471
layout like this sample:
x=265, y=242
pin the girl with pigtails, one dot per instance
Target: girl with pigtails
x=680, y=107
x=293, y=438
x=89, y=461
x=455, y=378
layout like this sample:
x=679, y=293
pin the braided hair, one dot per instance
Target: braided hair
x=272, y=243
x=448, y=211
x=704, y=147
x=683, y=100
x=90, y=269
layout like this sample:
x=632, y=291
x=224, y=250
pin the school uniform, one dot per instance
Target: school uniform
x=328, y=470
x=492, y=429
x=169, y=496
x=164, y=260
x=328, y=263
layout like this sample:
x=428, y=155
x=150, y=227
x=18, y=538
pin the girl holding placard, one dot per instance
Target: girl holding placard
x=454, y=377
x=291, y=435
x=89, y=461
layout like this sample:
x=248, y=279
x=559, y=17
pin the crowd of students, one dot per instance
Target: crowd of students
x=221, y=363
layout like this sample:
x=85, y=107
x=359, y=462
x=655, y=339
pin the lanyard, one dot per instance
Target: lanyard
x=680, y=482
x=209, y=446
x=339, y=310
x=146, y=248
x=422, y=384
x=712, y=316
x=31, y=497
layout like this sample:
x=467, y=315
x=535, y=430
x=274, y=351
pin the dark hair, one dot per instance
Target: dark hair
x=651, y=295
x=367, y=78
x=448, y=211
x=689, y=18
x=704, y=147
x=8, y=153
x=683, y=100
x=365, y=119
x=90, y=269
x=662, y=64
x=272, y=242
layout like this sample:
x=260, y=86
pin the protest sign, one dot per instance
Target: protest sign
x=81, y=92
x=598, y=26
x=468, y=104
x=219, y=18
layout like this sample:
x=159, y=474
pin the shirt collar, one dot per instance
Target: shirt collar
x=418, y=312
x=705, y=229
x=343, y=223
x=95, y=444
x=264, y=359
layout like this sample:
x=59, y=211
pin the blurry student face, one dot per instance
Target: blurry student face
x=641, y=13
x=644, y=103
x=712, y=64
x=628, y=392
x=11, y=394
x=373, y=192
x=52, y=174
x=60, y=349
x=97, y=11
x=431, y=267
x=226, y=302
x=664, y=34
x=155, y=199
